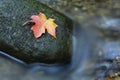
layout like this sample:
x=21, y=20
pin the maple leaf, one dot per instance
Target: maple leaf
x=42, y=24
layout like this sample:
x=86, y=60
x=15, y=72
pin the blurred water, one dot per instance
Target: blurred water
x=90, y=59
x=90, y=56
x=83, y=38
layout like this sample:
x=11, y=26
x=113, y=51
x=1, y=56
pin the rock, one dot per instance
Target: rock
x=108, y=62
x=18, y=41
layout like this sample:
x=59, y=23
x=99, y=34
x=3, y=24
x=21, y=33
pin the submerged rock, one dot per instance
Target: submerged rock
x=18, y=41
x=108, y=61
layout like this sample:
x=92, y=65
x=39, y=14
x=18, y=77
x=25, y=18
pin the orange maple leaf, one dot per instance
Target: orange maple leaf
x=42, y=24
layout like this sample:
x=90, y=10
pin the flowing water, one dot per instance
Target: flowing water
x=82, y=65
x=88, y=62
x=90, y=56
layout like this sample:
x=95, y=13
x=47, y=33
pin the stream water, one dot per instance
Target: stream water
x=93, y=55
x=80, y=67
x=90, y=58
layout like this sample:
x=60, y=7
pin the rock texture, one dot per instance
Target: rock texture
x=18, y=41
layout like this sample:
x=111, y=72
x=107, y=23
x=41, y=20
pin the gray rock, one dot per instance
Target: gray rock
x=18, y=41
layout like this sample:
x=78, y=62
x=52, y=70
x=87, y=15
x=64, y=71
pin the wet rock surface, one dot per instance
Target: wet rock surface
x=18, y=40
